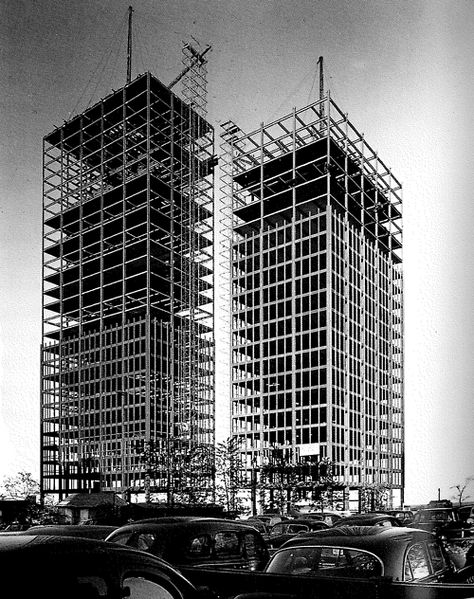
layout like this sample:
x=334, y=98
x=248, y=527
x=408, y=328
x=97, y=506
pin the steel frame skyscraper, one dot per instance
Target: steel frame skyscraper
x=317, y=298
x=128, y=350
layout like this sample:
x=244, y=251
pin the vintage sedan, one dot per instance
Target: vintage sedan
x=77, y=568
x=399, y=553
x=89, y=531
x=196, y=541
x=283, y=531
x=444, y=522
x=370, y=519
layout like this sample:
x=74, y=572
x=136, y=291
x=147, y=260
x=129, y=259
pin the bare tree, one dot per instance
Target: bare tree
x=20, y=486
x=461, y=489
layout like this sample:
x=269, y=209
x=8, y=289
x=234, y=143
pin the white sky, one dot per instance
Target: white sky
x=403, y=72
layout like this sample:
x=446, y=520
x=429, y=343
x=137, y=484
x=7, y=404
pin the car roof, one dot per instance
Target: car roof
x=76, y=530
x=437, y=509
x=63, y=556
x=44, y=545
x=370, y=516
x=303, y=521
x=375, y=538
x=186, y=523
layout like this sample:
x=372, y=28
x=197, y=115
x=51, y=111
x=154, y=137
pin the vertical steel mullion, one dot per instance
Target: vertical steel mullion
x=262, y=382
x=330, y=390
x=101, y=332
x=172, y=365
x=293, y=294
x=124, y=203
x=43, y=395
x=148, y=267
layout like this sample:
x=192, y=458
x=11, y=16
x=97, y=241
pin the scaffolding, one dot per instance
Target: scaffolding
x=128, y=349
x=317, y=298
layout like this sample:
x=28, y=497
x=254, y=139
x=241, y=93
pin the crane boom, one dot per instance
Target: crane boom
x=198, y=57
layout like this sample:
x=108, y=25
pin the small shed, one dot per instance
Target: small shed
x=101, y=507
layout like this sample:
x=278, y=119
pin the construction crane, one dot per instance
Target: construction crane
x=198, y=58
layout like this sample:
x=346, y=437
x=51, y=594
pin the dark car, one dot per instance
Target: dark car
x=331, y=518
x=370, y=519
x=90, y=531
x=442, y=521
x=281, y=532
x=400, y=553
x=262, y=528
x=195, y=541
x=405, y=517
x=466, y=514
x=270, y=518
x=78, y=568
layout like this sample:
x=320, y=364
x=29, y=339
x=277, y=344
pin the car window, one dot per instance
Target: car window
x=144, y=540
x=297, y=528
x=199, y=547
x=122, y=538
x=336, y=561
x=277, y=529
x=438, y=561
x=226, y=544
x=416, y=563
x=253, y=546
x=138, y=587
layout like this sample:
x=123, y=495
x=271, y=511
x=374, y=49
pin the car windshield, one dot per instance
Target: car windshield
x=435, y=516
x=326, y=560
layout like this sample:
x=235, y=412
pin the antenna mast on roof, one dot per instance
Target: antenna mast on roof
x=129, y=45
x=321, y=78
x=321, y=92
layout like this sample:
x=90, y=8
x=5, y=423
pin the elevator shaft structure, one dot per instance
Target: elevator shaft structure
x=128, y=348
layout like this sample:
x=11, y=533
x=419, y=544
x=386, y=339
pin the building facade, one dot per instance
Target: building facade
x=128, y=353
x=317, y=302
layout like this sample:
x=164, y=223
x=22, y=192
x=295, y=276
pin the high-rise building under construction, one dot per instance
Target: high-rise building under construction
x=128, y=351
x=317, y=348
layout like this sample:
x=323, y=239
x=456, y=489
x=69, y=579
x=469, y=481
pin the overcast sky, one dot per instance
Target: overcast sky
x=402, y=71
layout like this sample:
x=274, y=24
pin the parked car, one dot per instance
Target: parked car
x=403, y=554
x=270, y=519
x=90, y=531
x=194, y=541
x=370, y=519
x=442, y=521
x=405, y=517
x=262, y=528
x=281, y=532
x=77, y=568
x=331, y=518
x=466, y=513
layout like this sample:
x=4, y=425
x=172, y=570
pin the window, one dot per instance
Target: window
x=226, y=545
x=199, y=547
x=438, y=562
x=416, y=563
x=122, y=538
x=276, y=530
x=254, y=550
x=331, y=561
x=144, y=541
